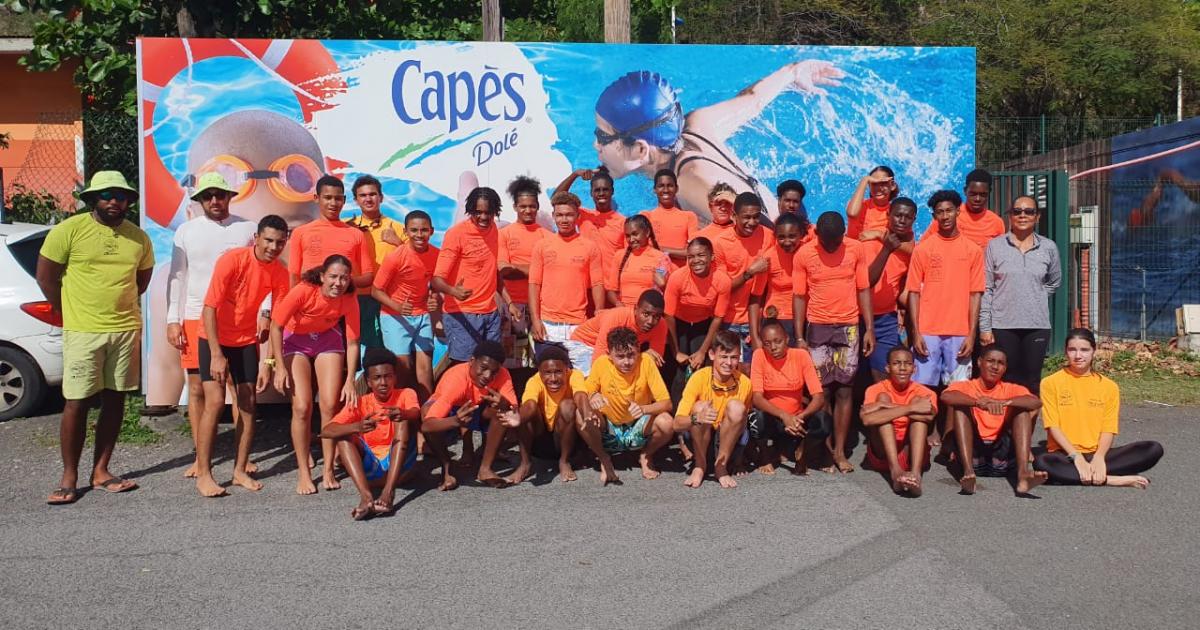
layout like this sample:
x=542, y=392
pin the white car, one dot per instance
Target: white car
x=30, y=336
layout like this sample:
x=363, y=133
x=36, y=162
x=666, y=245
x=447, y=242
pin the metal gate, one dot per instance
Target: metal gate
x=1050, y=190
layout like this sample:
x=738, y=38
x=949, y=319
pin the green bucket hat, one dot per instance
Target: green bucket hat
x=105, y=180
x=212, y=180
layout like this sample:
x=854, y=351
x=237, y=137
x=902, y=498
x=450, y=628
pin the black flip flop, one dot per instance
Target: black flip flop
x=107, y=486
x=69, y=496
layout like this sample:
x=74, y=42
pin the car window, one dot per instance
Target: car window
x=26, y=252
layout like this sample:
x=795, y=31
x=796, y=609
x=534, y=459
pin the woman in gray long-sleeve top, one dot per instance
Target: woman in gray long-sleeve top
x=1022, y=270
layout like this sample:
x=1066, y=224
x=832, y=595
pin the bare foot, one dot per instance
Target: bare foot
x=933, y=440
x=607, y=473
x=648, y=471
x=328, y=480
x=909, y=484
x=448, y=482
x=305, y=485
x=365, y=508
x=251, y=468
x=1127, y=481
x=843, y=465
x=489, y=478
x=695, y=479
x=914, y=487
x=244, y=480
x=967, y=483
x=385, y=504
x=209, y=487
x=1027, y=481
x=684, y=451
x=565, y=472
x=766, y=469
x=726, y=481
x=190, y=473
x=518, y=475
x=899, y=478
x=312, y=463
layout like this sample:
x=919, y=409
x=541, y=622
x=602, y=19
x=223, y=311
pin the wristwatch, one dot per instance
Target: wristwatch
x=1073, y=456
x=269, y=362
x=695, y=420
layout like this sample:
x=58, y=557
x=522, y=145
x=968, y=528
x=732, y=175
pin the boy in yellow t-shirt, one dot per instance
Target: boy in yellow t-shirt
x=629, y=407
x=715, y=400
x=549, y=406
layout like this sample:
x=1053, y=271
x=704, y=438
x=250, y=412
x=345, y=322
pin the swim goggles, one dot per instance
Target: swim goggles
x=291, y=178
x=629, y=135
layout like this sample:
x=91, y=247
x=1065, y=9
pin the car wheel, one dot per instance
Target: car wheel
x=22, y=386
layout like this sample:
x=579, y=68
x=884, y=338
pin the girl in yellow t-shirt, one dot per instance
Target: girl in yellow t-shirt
x=1080, y=410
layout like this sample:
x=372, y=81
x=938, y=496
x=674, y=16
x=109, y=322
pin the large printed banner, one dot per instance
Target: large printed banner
x=434, y=119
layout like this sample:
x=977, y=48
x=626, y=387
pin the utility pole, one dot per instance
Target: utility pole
x=616, y=21
x=492, y=21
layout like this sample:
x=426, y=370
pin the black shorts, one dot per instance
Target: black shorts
x=763, y=425
x=243, y=363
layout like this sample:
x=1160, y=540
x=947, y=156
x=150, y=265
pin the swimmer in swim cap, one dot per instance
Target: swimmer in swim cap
x=641, y=127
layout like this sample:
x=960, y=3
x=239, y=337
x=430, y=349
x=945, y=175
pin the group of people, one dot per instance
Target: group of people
x=744, y=343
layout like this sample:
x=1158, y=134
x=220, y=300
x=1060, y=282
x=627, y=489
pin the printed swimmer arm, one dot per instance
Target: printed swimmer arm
x=721, y=120
x=585, y=173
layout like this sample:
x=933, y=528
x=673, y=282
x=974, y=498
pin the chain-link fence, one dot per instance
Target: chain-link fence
x=1000, y=141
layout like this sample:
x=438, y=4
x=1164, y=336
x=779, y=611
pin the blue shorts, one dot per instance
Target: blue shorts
x=887, y=336
x=625, y=437
x=405, y=334
x=942, y=366
x=376, y=468
x=742, y=331
x=464, y=331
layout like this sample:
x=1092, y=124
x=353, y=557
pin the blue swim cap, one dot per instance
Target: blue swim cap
x=642, y=105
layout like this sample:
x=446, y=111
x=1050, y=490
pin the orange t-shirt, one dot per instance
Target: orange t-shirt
x=456, y=389
x=239, y=283
x=886, y=293
x=831, y=281
x=734, y=255
x=673, y=227
x=469, y=256
x=516, y=248
x=713, y=232
x=405, y=275
x=637, y=275
x=566, y=269
x=779, y=283
x=311, y=243
x=306, y=310
x=979, y=228
x=594, y=332
x=379, y=439
x=694, y=299
x=607, y=229
x=870, y=218
x=784, y=381
x=914, y=389
x=945, y=272
x=988, y=424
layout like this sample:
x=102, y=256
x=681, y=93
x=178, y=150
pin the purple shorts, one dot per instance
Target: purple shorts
x=313, y=344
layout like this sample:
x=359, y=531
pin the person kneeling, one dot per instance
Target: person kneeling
x=993, y=422
x=896, y=412
x=376, y=437
x=549, y=404
x=715, y=400
x=628, y=406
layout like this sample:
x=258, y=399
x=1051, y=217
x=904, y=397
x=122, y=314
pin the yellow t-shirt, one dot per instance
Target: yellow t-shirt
x=700, y=387
x=99, y=284
x=643, y=386
x=377, y=248
x=536, y=391
x=1082, y=407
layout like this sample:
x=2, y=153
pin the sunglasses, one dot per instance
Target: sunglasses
x=113, y=195
x=605, y=139
x=221, y=195
x=1016, y=212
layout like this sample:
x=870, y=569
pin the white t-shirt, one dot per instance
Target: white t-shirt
x=198, y=245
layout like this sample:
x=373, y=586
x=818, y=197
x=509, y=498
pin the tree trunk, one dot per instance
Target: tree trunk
x=616, y=21
x=184, y=22
x=492, y=28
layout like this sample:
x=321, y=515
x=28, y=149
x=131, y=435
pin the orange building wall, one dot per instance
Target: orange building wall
x=41, y=113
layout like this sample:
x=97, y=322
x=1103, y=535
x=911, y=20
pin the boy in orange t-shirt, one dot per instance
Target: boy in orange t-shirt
x=887, y=267
x=376, y=435
x=780, y=377
x=742, y=253
x=467, y=275
x=896, y=413
x=410, y=310
x=311, y=243
x=673, y=226
x=565, y=271
x=516, y=251
x=646, y=320
x=993, y=422
x=975, y=221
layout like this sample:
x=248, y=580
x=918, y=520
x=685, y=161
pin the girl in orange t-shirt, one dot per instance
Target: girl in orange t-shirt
x=313, y=341
x=697, y=298
x=789, y=236
x=643, y=266
x=866, y=218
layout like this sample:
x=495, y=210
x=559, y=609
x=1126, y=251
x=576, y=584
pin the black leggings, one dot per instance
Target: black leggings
x=1026, y=350
x=1130, y=459
x=691, y=337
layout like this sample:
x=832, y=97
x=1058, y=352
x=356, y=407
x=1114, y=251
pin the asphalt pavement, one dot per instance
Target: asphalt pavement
x=822, y=551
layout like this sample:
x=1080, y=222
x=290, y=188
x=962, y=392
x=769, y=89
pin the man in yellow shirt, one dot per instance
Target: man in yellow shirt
x=629, y=407
x=716, y=399
x=93, y=268
x=383, y=236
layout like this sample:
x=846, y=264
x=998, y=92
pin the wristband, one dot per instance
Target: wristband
x=269, y=362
